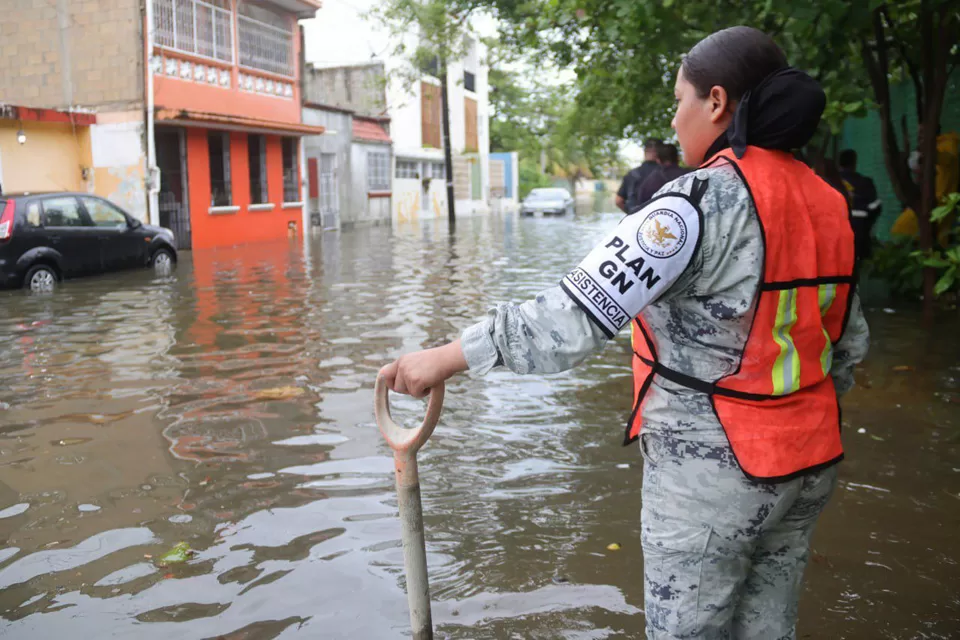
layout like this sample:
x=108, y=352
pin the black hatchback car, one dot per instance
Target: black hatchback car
x=48, y=237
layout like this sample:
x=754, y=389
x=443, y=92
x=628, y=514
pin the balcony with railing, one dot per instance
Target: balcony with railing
x=195, y=27
x=230, y=57
x=248, y=45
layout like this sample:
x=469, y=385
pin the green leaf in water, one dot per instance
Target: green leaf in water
x=181, y=552
x=877, y=438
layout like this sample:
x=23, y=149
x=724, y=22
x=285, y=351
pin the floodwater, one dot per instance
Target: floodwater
x=230, y=407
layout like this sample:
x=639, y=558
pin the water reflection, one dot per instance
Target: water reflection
x=229, y=406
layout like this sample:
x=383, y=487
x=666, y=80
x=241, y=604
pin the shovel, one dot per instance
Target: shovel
x=405, y=444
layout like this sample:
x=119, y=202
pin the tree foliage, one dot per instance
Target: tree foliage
x=626, y=54
x=544, y=123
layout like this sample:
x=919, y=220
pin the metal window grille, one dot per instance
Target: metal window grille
x=291, y=189
x=407, y=169
x=193, y=26
x=257, y=156
x=437, y=171
x=218, y=144
x=378, y=171
x=265, y=47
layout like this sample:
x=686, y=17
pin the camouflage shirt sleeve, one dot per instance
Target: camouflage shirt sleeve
x=548, y=334
x=852, y=348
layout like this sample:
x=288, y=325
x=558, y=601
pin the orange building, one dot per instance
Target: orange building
x=225, y=78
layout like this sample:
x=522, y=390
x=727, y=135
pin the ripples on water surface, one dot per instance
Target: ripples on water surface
x=229, y=406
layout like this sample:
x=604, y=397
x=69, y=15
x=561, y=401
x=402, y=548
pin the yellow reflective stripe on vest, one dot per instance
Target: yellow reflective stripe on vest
x=827, y=294
x=786, y=368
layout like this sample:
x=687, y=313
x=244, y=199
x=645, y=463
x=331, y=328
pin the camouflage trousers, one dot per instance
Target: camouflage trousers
x=723, y=556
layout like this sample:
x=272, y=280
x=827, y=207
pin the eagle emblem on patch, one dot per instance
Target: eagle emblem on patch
x=662, y=233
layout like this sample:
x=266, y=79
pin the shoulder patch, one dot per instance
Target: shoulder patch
x=663, y=233
x=637, y=262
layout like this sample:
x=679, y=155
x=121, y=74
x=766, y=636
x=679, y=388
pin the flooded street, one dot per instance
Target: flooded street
x=230, y=407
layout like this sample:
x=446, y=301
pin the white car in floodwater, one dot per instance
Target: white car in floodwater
x=547, y=202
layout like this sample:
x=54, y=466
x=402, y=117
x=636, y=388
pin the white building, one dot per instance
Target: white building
x=342, y=34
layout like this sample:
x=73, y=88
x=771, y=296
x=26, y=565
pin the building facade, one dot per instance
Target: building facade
x=195, y=108
x=349, y=168
x=340, y=35
x=72, y=83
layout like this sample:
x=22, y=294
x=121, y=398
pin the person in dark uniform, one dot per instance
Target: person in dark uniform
x=865, y=208
x=668, y=171
x=637, y=175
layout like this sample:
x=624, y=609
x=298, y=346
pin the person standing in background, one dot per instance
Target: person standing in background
x=637, y=175
x=668, y=171
x=865, y=207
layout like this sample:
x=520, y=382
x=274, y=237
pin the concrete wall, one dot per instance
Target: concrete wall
x=119, y=161
x=52, y=159
x=338, y=143
x=359, y=88
x=65, y=53
x=408, y=205
x=104, y=159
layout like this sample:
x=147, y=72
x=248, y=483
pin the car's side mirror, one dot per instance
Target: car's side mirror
x=133, y=223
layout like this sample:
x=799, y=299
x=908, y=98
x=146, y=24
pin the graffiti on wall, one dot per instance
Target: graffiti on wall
x=408, y=206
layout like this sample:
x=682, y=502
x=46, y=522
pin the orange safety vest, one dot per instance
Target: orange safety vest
x=779, y=409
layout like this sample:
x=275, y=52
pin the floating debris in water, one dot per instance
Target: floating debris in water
x=279, y=393
x=613, y=546
x=903, y=367
x=877, y=438
x=180, y=553
x=87, y=508
x=889, y=310
x=180, y=518
x=867, y=486
x=67, y=442
x=861, y=430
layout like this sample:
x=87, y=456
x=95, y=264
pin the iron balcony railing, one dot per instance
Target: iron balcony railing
x=195, y=27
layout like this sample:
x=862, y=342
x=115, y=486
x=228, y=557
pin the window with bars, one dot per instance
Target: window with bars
x=218, y=144
x=378, y=171
x=437, y=170
x=265, y=39
x=291, y=188
x=408, y=169
x=195, y=27
x=257, y=155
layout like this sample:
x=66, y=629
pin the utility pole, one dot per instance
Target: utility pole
x=447, y=152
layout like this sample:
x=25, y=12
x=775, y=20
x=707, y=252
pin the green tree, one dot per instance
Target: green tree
x=917, y=39
x=626, y=53
x=545, y=124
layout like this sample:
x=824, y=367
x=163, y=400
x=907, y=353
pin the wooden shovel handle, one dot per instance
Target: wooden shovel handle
x=405, y=441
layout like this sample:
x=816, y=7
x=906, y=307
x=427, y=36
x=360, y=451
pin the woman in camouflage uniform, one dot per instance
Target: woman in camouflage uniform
x=724, y=553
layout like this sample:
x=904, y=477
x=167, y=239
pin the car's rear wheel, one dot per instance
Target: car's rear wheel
x=41, y=278
x=162, y=261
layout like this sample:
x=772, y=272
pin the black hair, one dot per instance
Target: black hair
x=847, y=159
x=668, y=154
x=737, y=59
x=652, y=143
